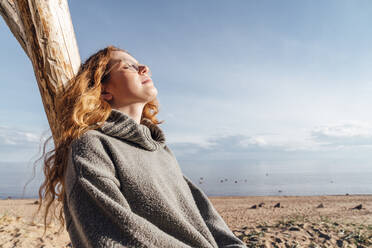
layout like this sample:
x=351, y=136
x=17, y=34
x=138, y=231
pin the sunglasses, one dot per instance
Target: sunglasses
x=130, y=67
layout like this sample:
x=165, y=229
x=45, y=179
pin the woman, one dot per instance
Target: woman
x=120, y=184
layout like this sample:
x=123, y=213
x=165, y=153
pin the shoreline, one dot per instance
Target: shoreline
x=220, y=196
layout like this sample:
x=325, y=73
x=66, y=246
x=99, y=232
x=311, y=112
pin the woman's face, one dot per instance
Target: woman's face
x=125, y=85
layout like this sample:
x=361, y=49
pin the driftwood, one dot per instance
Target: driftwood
x=45, y=32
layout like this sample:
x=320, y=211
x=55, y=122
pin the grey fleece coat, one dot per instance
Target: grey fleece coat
x=124, y=188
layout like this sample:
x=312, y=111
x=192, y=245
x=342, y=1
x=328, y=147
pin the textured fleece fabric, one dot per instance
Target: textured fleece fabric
x=124, y=188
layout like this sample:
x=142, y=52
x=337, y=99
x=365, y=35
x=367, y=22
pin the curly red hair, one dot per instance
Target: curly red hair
x=80, y=108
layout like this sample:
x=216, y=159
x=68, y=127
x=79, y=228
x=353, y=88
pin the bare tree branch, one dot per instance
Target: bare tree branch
x=45, y=32
x=9, y=12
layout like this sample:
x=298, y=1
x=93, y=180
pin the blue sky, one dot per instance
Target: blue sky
x=237, y=80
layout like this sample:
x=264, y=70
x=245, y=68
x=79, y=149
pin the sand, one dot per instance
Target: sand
x=299, y=221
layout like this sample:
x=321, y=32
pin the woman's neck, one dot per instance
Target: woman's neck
x=134, y=111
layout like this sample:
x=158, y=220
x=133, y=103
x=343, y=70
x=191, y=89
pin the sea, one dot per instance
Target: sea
x=229, y=178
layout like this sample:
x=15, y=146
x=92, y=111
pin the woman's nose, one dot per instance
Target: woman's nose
x=145, y=69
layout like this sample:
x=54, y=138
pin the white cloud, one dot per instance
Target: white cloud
x=350, y=138
x=13, y=137
x=258, y=140
x=345, y=129
x=18, y=145
x=345, y=133
x=288, y=141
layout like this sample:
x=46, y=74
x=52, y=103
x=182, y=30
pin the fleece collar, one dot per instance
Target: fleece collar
x=147, y=135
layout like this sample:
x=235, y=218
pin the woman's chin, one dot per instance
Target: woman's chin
x=154, y=93
x=150, y=98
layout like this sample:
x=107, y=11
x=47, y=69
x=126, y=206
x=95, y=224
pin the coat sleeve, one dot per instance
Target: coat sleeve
x=99, y=214
x=221, y=232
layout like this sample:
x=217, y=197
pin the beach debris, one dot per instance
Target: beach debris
x=322, y=234
x=262, y=227
x=278, y=240
x=261, y=204
x=293, y=228
x=254, y=207
x=320, y=205
x=36, y=202
x=277, y=205
x=339, y=243
x=359, y=207
x=253, y=238
x=238, y=233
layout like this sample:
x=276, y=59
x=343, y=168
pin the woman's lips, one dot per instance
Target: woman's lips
x=147, y=80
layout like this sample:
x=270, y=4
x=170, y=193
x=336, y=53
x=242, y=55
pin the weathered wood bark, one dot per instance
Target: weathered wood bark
x=44, y=30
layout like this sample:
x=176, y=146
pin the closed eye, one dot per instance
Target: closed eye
x=127, y=66
x=135, y=67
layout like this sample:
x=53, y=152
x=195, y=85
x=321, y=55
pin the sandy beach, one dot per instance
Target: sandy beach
x=265, y=221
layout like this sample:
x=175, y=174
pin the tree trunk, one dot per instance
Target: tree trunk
x=44, y=30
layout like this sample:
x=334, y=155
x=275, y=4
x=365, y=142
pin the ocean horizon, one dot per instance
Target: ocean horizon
x=289, y=178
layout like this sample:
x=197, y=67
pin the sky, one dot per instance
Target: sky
x=238, y=81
